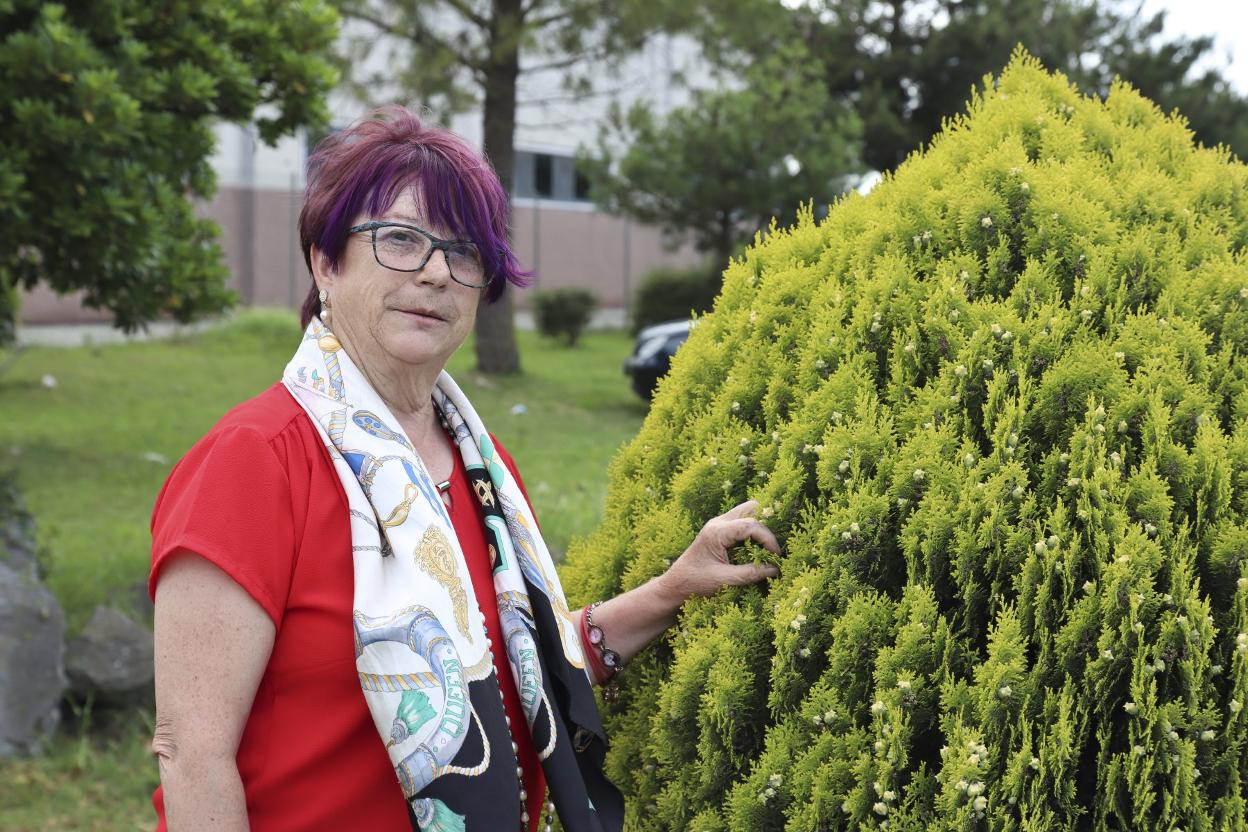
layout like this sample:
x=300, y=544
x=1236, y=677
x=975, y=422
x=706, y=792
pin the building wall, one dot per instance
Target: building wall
x=571, y=245
x=43, y=306
x=260, y=237
x=566, y=245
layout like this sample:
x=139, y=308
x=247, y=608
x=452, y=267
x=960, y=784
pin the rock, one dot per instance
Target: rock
x=17, y=532
x=32, y=676
x=133, y=601
x=110, y=663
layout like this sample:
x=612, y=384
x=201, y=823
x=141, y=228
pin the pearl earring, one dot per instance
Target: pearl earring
x=324, y=298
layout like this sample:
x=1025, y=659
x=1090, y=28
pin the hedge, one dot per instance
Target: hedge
x=672, y=294
x=10, y=310
x=563, y=314
x=997, y=414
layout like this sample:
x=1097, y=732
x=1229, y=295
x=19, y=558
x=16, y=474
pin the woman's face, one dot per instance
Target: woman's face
x=386, y=318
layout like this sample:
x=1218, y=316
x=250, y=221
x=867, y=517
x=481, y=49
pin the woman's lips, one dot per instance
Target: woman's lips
x=422, y=315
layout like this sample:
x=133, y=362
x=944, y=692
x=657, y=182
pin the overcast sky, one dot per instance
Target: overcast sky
x=1227, y=20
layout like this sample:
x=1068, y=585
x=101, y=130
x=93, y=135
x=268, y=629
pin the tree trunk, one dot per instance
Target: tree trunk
x=496, y=349
x=726, y=236
x=496, y=326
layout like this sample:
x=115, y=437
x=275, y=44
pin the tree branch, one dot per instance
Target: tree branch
x=384, y=25
x=570, y=61
x=419, y=35
x=591, y=54
x=470, y=14
x=528, y=9
x=567, y=98
x=545, y=20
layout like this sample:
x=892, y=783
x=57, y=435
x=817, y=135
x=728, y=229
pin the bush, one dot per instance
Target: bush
x=996, y=413
x=10, y=308
x=673, y=294
x=564, y=313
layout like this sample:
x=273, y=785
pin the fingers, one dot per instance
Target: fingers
x=751, y=573
x=747, y=528
x=745, y=509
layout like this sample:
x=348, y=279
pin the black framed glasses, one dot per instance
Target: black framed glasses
x=407, y=248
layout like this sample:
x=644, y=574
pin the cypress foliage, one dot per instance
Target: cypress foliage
x=997, y=413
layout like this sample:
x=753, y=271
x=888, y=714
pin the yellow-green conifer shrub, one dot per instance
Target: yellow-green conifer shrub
x=997, y=413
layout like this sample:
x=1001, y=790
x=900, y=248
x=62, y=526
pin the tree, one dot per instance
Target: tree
x=455, y=52
x=106, y=113
x=903, y=67
x=1166, y=73
x=725, y=166
x=906, y=65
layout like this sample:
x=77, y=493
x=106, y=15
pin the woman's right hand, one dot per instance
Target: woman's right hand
x=705, y=568
x=635, y=618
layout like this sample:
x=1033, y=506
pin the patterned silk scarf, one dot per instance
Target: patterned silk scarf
x=424, y=661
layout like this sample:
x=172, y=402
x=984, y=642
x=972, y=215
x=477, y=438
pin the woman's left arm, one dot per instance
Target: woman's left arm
x=632, y=620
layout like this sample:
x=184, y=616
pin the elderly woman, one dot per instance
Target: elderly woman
x=358, y=625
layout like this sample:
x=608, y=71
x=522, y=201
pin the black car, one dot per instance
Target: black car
x=652, y=354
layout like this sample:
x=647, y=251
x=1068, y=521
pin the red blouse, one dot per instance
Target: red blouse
x=259, y=498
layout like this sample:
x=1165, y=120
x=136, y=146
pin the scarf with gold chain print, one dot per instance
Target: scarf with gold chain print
x=424, y=662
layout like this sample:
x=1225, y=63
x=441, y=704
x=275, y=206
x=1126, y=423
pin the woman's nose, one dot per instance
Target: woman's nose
x=437, y=268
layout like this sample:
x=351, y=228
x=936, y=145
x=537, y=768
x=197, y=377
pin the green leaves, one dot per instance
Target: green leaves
x=107, y=112
x=1008, y=464
x=732, y=160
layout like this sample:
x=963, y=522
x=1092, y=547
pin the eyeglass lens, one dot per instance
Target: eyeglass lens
x=406, y=249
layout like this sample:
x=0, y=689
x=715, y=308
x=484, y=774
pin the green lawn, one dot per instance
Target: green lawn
x=90, y=779
x=91, y=453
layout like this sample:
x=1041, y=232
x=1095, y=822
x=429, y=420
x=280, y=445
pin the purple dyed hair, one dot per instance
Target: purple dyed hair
x=360, y=172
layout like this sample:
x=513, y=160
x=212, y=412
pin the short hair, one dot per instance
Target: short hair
x=364, y=168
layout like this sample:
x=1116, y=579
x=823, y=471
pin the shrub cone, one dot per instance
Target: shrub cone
x=996, y=413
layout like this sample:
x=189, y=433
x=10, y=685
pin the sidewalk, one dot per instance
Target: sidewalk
x=78, y=335
x=616, y=318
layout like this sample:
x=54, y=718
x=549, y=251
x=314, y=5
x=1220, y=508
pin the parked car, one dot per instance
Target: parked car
x=652, y=354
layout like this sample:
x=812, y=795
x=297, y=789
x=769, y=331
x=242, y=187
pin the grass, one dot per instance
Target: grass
x=91, y=452
x=91, y=778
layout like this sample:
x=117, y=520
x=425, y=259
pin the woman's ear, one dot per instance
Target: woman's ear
x=322, y=269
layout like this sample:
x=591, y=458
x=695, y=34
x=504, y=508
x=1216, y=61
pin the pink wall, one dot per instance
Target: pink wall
x=566, y=246
x=583, y=248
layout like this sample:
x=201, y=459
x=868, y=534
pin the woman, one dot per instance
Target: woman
x=358, y=625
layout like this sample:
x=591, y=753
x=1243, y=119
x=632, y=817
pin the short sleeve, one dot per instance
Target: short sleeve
x=229, y=501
